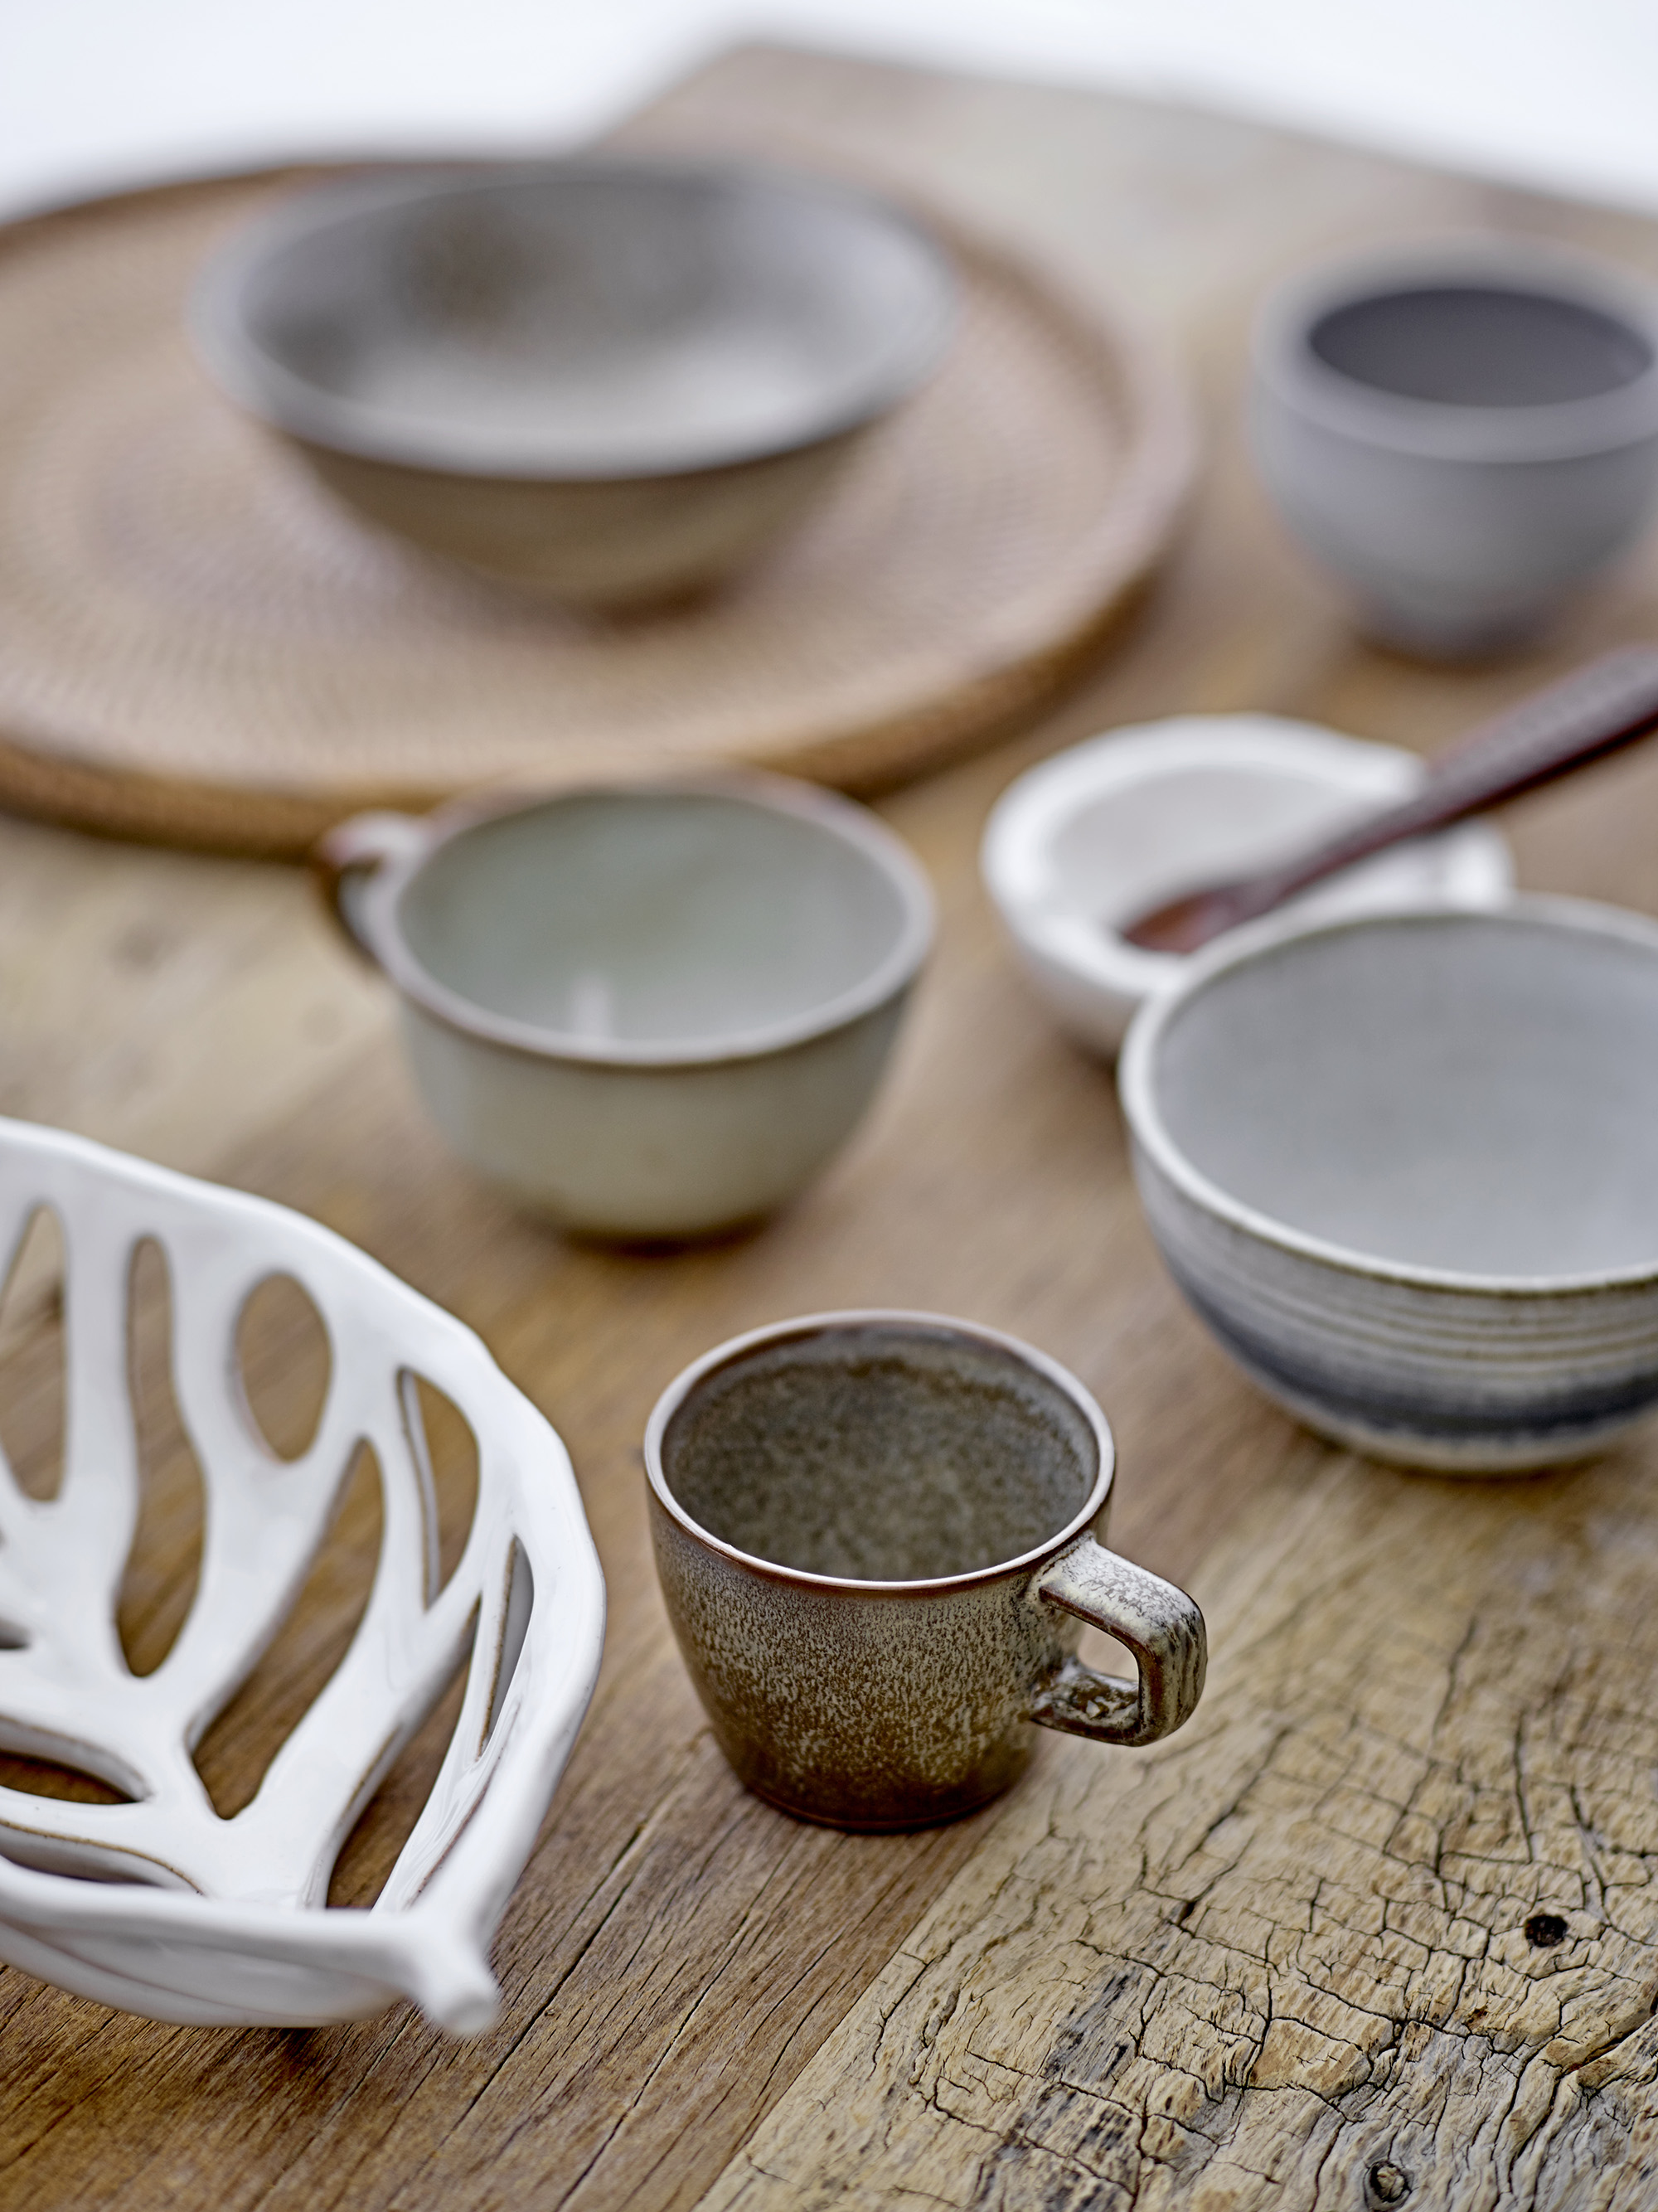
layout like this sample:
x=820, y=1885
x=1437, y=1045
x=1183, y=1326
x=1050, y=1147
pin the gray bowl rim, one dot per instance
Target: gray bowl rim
x=827, y=811
x=927, y=1324
x=274, y=393
x=1283, y=366
x=1262, y=940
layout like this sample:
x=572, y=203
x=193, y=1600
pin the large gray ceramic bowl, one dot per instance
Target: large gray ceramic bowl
x=611, y=381
x=1406, y=1167
x=1463, y=431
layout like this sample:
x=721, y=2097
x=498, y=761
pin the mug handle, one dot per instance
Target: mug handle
x=1161, y=1625
x=346, y=856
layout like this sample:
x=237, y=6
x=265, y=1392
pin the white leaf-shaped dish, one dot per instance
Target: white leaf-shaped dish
x=160, y=1906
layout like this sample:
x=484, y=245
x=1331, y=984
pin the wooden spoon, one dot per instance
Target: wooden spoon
x=1585, y=716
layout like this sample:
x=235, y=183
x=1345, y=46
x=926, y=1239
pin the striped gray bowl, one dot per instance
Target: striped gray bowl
x=1406, y=1168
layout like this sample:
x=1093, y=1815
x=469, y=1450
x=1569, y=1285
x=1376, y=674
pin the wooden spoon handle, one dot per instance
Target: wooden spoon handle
x=1583, y=717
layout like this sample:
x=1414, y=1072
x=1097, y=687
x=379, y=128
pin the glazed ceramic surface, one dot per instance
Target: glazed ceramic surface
x=1098, y=833
x=159, y=1905
x=1405, y=1166
x=612, y=380
x=878, y=1535
x=651, y=1010
x=1462, y=433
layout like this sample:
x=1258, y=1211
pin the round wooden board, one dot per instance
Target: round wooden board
x=196, y=647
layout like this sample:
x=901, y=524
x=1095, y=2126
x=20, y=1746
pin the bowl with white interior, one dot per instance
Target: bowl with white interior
x=610, y=381
x=157, y=1904
x=1405, y=1166
x=652, y=1010
x=1081, y=843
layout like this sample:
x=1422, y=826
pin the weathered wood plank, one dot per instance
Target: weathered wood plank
x=1387, y=1907
x=169, y=1005
x=678, y=1953
x=677, y=1950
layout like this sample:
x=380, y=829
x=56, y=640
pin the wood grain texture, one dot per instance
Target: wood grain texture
x=1386, y=1908
x=169, y=1007
x=678, y=1953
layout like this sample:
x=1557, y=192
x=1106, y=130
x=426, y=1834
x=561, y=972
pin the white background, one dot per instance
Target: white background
x=92, y=93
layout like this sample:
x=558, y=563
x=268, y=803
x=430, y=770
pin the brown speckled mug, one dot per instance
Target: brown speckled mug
x=877, y=1537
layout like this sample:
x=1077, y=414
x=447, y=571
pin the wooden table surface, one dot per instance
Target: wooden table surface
x=1280, y=1961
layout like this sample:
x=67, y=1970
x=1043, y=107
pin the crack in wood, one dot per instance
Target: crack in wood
x=1396, y=1790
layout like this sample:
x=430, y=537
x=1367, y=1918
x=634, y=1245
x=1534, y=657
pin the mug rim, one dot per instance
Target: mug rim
x=836, y=816
x=845, y=1320
x=1286, y=365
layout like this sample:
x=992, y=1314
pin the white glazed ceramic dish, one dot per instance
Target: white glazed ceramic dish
x=159, y=1906
x=1406, y=1168
x=1105, y=829
x=610, y=379
x=652, y=1011
x=1463, y=431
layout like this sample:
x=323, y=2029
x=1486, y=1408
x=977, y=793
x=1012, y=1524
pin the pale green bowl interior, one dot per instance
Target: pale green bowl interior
x=662, y=918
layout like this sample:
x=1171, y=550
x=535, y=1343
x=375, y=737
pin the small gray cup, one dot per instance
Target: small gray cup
x=878, y=1536
x=1462, y=432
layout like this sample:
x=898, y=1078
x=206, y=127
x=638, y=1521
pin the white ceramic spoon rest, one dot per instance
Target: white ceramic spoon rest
x=160, y=1906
